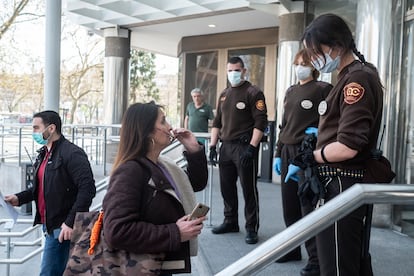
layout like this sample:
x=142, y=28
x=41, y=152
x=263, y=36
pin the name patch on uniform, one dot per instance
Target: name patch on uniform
x=260, y=105
x=322, y=107
x=240, y=105
x=306, y=104
x=353, y=92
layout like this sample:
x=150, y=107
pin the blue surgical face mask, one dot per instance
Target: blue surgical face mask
x=234, y=77
x=38, y=137
x=327, y=66
x=303, y=72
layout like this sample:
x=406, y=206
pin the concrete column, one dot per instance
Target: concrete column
x=290, y=31
x=116, y=73
x=52, y=55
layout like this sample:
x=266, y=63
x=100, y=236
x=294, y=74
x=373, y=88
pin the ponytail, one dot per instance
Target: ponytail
x=357, y=53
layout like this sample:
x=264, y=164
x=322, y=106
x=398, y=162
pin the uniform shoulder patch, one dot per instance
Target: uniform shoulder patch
x=353, y=92
x=260, y=105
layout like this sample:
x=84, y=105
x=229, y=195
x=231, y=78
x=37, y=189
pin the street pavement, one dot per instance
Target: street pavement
x=392, y=252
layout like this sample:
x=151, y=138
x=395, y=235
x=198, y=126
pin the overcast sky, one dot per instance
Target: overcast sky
x=29, y=45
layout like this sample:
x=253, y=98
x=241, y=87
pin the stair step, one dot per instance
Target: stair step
x=407, y=215
x=407, y=227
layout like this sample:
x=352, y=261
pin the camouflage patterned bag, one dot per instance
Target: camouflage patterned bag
x=93, y=257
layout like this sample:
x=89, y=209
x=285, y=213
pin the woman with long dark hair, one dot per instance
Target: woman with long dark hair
x=301, y=104
x=347, y=133
x=149, y=197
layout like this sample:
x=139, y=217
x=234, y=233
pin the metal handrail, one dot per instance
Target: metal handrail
x=15, y=234
x=19, y=234
x=92, y=138
x=317, y=221
x=23, y=259
x=100, y=186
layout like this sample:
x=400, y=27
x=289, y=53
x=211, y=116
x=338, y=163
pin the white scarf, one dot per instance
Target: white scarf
x=186, y=192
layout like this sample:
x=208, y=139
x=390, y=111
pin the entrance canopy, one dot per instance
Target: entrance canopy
x=159, y=25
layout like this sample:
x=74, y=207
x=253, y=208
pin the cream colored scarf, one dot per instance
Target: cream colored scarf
x=186, y=192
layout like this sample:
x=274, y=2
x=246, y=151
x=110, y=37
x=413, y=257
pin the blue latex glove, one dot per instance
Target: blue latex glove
x=292, y=170
x=277, y=165
x=312, y=130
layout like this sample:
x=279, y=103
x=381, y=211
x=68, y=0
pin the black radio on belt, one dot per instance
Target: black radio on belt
x=376, y=154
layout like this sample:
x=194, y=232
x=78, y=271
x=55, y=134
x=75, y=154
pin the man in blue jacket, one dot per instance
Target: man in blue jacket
x=63, y=184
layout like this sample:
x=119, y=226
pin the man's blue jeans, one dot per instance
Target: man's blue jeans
x=55, y=254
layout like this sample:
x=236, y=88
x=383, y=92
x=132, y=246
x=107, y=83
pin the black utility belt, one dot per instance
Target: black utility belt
x=241, y=140
x=332, y=172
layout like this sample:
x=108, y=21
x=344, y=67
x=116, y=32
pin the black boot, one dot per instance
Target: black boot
x=226, y=228
x=294, y=255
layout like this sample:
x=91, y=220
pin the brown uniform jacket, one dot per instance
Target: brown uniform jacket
x=301, y=111
x=141, y=208
x=239, y=110
x=353, y=113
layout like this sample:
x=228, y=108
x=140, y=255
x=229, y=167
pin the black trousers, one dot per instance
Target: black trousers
x=292, y=208
x=340, y=245
x=230, y=169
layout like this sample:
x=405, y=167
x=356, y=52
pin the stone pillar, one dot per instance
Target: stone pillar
x=116, y=74
x=290, y=31
x=52, y=55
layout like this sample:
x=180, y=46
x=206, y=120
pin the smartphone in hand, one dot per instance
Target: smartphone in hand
x=199, y=211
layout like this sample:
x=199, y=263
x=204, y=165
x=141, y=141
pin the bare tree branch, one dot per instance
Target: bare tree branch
x=16, y=12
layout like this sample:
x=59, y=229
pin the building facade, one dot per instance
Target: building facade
x=266, y=34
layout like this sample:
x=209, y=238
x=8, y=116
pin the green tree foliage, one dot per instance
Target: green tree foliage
x=142, y=73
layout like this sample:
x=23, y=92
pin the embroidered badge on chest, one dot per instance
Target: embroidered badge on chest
x=322, y=107
x=306, y=104
x=240, y=105
x=353, y=92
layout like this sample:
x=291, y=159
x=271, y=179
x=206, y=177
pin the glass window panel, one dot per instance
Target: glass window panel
x=410, y=5
x=201, y=72
x=254, y=61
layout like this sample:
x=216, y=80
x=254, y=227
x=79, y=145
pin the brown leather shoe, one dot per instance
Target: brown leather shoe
x=225, y=228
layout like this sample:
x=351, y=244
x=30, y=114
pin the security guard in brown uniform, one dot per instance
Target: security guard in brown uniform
x=301, y=104
x=240, y=121
x=347, y=133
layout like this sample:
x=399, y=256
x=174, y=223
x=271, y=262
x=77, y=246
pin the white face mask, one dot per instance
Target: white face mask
x=327, y=66
x=234, y=77
x=303, y=72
